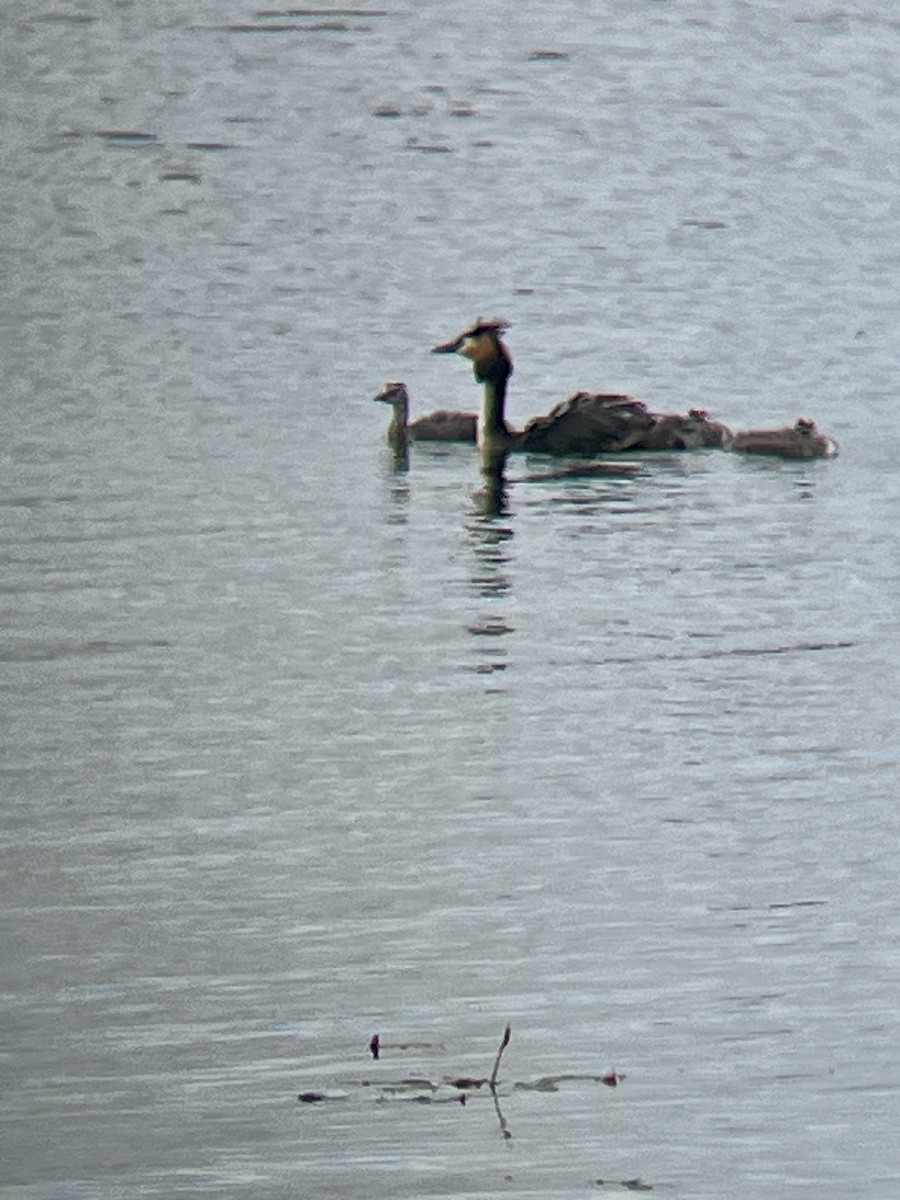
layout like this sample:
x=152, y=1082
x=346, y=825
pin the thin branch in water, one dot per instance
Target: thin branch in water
x=507, y=1034
x=504, y=1128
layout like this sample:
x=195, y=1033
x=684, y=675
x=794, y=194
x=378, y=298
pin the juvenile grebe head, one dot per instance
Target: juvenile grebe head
x=393, y=393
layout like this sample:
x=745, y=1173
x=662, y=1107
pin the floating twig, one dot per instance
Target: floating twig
x=504, y=1128
x=376, y=1045
x=507, y=1034
x=550, y=1083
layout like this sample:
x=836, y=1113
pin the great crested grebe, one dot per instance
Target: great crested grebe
x=800, y=440
x=587, y=423
x=438, y=426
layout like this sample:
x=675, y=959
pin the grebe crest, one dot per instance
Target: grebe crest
x=482, y=344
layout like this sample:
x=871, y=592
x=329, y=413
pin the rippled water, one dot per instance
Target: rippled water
x=298, y=746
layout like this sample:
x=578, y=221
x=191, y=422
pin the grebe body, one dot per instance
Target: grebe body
x=587, y=423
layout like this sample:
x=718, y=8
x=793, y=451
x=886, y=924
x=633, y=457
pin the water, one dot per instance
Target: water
x=298, y=747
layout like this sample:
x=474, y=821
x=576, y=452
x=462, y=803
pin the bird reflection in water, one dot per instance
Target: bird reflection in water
x=397, y=490
x=491, y=545
x=400, y=458
x=492, y=498
x=399, y=497
x=490, y=580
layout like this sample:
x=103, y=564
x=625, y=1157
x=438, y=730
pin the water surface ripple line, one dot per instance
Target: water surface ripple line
x=735, y=652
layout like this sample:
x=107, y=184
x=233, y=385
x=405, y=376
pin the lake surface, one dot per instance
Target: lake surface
x=299, y=746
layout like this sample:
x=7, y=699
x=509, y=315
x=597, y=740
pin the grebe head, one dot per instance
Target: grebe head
x=393, y=393
x=483, y=346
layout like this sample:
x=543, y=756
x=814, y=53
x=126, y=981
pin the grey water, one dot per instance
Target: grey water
x=300, y=744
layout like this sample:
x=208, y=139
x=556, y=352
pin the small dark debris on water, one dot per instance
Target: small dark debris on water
x=312, y=1097
x=467, y=1085
x=377, y=1046
x=427, y=147
x=135, y=136
x=394, y=110
x=611, y=1079
x=292, y=27
x=633, y=1185
x=403, y=1086
x=491, y=627
x=74, y=18
x=320, y=12
x=548, y=56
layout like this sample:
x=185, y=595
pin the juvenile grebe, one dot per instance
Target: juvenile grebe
x=438, y=426
x=800, y=440
x=587, y=423
x=697, y=430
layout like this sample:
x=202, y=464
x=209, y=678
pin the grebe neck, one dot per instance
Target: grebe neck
x=492, y=415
